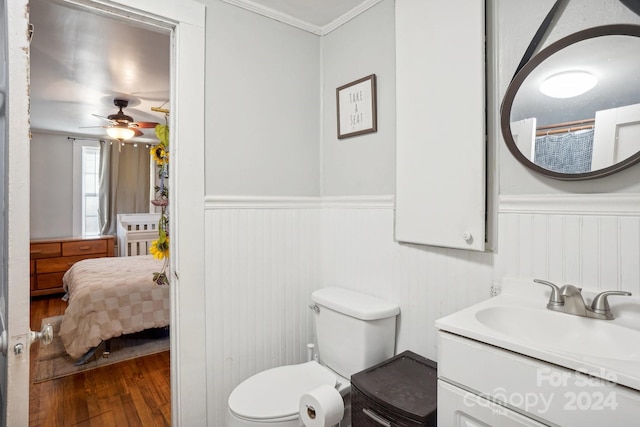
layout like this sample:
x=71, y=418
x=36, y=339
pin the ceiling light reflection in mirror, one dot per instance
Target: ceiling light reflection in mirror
x=568, y=84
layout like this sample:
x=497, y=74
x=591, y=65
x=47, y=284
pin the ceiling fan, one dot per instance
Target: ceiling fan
x=122, y=126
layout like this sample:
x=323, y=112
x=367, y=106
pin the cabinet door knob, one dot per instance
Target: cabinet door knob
x=468, y=237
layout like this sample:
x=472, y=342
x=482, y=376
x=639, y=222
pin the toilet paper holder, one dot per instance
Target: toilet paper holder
x=311, y=412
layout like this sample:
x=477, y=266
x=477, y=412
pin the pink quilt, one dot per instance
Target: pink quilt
x=109, y=297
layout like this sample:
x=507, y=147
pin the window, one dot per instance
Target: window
x=86, y=184
x=90, y=190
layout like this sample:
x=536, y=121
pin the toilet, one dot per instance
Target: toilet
x=354, y=331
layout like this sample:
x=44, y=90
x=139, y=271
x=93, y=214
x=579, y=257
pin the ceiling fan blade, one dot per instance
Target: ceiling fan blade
x=104, y=118
x=146, y=125
x=138, y=132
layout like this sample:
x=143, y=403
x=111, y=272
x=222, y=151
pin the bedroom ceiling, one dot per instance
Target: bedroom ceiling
x=81, y=61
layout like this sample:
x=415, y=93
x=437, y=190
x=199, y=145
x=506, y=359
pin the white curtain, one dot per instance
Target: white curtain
x=124, y=182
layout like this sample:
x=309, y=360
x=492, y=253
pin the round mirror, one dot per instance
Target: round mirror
x=573, y=111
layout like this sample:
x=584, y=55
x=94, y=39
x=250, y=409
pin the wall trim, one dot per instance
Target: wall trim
x=619, y=204
x=281, y=202
x=261, y=202
x=359, y=202
x=362, y=7
x=298, y=23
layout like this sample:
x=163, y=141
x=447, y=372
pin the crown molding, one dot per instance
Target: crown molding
x=349, y=16
x=298, y=23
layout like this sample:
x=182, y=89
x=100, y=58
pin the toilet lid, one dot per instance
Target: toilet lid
x=275, y=393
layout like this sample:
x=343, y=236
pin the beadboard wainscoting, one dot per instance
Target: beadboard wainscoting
x=359, y=252
x=263, y=262
x=265, y=256
x=592, y=241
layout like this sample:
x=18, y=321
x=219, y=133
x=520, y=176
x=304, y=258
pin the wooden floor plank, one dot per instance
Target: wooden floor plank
x=132, y=393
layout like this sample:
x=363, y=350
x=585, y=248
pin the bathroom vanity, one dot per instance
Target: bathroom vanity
x=509, y=361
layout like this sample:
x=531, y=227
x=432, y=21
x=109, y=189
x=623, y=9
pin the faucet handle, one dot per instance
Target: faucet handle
x=556, y=298
x=600, y=303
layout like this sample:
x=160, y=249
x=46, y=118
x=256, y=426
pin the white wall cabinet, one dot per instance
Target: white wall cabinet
x=440, y=154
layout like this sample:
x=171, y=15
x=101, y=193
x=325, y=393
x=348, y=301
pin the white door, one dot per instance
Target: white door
x=524, y=134
x=15, y=224
x=616, y=136
x=189, y=342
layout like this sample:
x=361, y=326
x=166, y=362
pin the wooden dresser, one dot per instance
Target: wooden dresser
x=51, y=258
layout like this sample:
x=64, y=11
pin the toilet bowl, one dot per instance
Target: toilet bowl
x=272, y=397
x=354, y=331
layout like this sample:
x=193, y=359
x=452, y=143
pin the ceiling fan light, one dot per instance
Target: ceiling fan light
x=120, y=133
x=568, y=84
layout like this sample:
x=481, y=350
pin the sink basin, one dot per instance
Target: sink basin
x=579, y=336
x=519, y=321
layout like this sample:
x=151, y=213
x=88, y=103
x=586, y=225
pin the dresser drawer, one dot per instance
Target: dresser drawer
x=45, y=250
x=84, y=247
x=49, y=281
x=60, y=264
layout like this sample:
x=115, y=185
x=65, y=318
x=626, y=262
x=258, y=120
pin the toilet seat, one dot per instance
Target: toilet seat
x=275, y=393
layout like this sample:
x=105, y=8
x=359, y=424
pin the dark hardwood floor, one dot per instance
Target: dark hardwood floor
x=131, y=393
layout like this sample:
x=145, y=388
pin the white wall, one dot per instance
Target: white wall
x=3, y=231
x=266, y=254
x=51, y=194
x=262, y=105
x=592, y=241
x=363, y=164
x=583, y=232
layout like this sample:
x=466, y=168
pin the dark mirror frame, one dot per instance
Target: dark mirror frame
x=520, y=77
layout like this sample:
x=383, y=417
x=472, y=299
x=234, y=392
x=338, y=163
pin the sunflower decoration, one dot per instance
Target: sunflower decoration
x=159, y=154
x=160, y=247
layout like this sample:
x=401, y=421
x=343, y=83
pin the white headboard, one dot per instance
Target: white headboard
x=136, y=232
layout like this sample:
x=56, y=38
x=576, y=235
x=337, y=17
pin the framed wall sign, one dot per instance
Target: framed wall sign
x=356, y=105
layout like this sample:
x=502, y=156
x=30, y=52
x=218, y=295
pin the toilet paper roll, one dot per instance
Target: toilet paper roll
x=321, y=407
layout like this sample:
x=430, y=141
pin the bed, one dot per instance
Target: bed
x=109, y=297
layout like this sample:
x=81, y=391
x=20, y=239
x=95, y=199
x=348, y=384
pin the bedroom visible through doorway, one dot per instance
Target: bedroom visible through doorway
x=81, y=61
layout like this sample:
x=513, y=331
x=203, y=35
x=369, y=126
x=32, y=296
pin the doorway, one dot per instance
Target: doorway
x=188, y=348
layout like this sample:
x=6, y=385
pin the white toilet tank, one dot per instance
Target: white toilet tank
x=354, y=331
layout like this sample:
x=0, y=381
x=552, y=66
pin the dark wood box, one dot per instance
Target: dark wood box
x=399, y=392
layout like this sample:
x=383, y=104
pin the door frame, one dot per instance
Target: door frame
x=186, y=19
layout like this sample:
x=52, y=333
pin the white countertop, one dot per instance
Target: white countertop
x=608, y=349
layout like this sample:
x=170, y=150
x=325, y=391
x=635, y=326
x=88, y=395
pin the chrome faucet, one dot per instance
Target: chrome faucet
x=568, y=299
